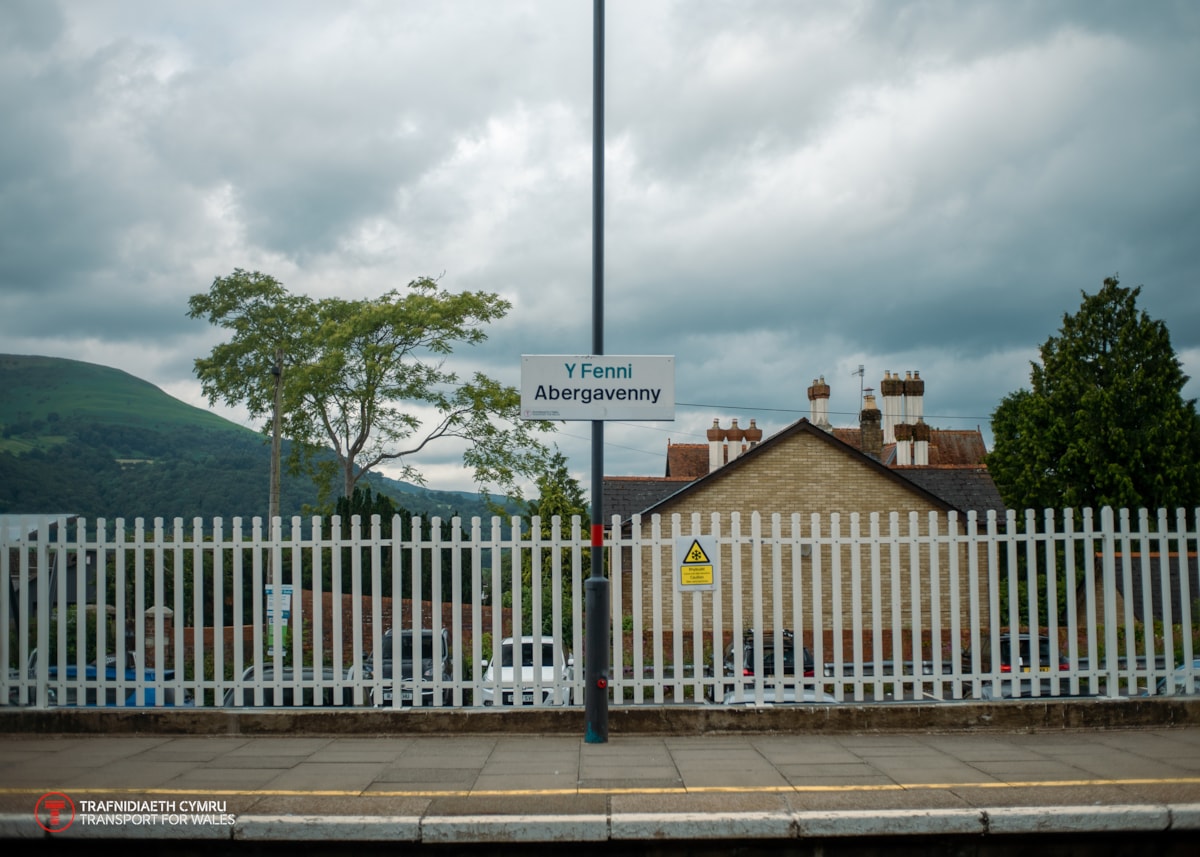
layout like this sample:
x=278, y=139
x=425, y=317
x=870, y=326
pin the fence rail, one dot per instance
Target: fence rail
x=818, y=608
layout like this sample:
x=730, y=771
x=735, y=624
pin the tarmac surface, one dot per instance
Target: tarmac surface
x=240, y=781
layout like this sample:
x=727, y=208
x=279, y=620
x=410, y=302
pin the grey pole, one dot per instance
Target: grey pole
x=596, y=607
x=273, y=501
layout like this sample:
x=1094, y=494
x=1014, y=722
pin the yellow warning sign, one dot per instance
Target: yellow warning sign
x=696, y=554
x=699, y=558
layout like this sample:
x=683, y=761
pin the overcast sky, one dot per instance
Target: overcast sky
x=793, y=189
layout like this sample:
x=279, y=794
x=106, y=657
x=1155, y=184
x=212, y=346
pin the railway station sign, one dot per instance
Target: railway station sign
x=597, y=387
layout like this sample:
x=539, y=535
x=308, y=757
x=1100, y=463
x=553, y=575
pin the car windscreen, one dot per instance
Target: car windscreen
x=1024, y=652
x=406, y=647
x=789, y=659
x=527, y=653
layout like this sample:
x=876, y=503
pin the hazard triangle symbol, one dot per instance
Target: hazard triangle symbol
x=696, y=553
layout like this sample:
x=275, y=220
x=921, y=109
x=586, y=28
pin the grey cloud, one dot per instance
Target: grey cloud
x=792, y=188
x=32, y=25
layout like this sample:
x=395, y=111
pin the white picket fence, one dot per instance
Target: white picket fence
x=890, y=608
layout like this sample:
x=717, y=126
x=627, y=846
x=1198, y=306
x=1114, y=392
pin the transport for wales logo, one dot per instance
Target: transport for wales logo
x=56, y=811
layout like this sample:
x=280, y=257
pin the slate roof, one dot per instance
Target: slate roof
x=968, y=489
x=628, y=495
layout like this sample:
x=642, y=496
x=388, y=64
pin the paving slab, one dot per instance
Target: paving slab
x=206, y=779
x=532, y=782
x=326, y=776
x=424, y=778
x=515, y=788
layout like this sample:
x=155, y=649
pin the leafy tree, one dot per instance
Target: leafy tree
x=263, y=317
x=396, y=528
x=1105, y=423
x=358, y=372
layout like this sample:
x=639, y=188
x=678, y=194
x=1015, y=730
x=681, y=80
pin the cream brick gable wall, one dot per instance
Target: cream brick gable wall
x=804, y=471
x=803, y=474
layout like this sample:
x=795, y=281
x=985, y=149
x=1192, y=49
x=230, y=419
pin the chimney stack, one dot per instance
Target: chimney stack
x=818, y=395
x=914, y=398
x=869, y=422
x=735, y=436
x=904, y=436
x=716, y=454
x=892, y=388
x=725, y=445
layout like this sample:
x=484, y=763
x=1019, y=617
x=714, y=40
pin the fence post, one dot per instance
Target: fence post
x=1186, y=617
x=1109, y=568
x=1128, y=598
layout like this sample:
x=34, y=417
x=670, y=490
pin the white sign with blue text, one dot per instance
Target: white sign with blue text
x=597, y=387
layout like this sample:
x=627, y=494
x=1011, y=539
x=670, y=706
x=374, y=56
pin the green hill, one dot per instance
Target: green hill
x=90, y=440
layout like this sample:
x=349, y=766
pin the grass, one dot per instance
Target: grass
x=49, y=389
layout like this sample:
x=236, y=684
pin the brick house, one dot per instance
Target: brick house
x=810, y=467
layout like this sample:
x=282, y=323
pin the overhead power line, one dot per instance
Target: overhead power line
x=758, y=410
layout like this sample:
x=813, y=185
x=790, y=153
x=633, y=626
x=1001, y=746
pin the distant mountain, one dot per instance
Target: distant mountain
x=78, y=438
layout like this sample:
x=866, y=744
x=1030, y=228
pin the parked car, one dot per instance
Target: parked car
x=750, y=644
x=112, y=673
x=287, y=697
x=1021, y=664
x=435, y=655
x=502, y=680
x=1176, y=683
x=787, y=696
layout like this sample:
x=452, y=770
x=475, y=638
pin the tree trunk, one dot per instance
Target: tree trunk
x=348, y=477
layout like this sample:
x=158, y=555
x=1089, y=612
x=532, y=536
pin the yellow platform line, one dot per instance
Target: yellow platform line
x=631, y=790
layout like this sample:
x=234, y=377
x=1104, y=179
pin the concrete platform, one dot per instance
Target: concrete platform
x=791, y=774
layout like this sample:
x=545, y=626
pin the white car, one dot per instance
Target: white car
x=543, y=666
x=745, y=696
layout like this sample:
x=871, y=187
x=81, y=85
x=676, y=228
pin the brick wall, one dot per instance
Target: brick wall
x=345, y=609
x=802, y=474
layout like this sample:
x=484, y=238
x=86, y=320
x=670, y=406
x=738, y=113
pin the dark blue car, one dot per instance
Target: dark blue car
x=89, y=686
